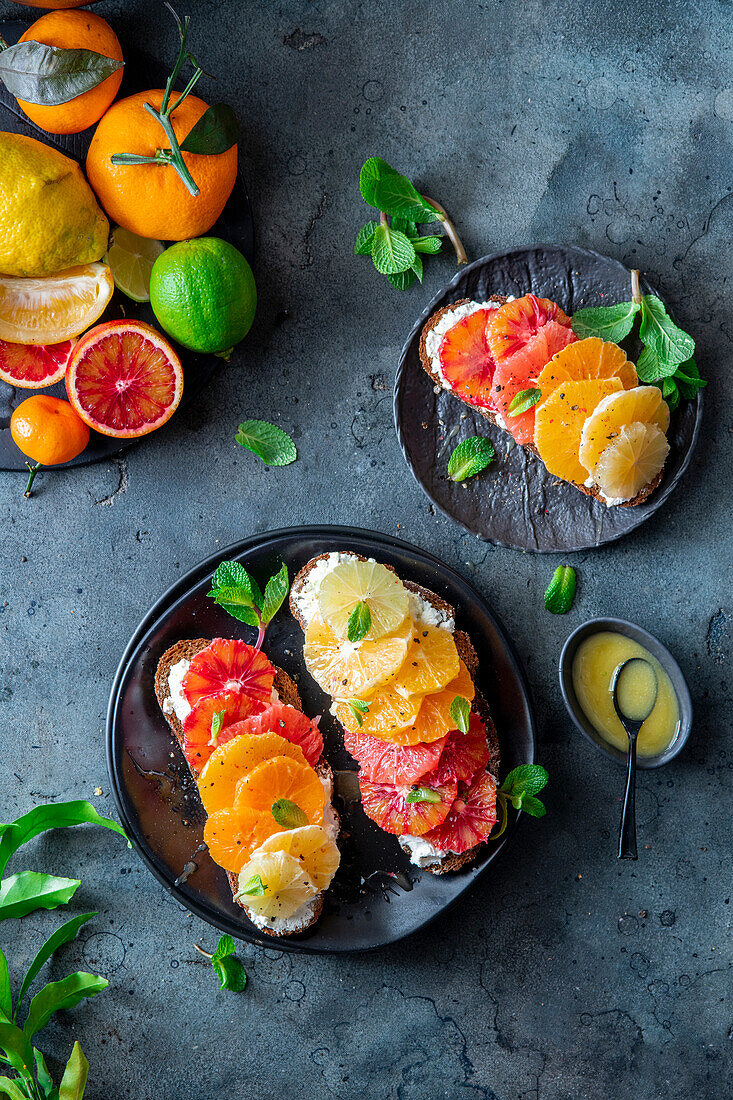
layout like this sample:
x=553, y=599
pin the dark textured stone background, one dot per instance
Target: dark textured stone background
x=565, y=974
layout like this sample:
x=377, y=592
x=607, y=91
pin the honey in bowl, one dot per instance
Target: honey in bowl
x=596, y=659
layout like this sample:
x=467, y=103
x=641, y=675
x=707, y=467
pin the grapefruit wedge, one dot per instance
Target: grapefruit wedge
x=34, y=366
x=124, y=379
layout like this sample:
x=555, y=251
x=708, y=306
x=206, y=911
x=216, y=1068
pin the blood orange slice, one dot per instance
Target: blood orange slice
x=124, y=379
x=200, y=740
x=465, y=358
x=387, y=804
x=511, y=327
x=382, y=762
x=464, y=753
x=34, y=366
x=469, y=820
x=291, y=724
x=521, y=370
x=229, y=665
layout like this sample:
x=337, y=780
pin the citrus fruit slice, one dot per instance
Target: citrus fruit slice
x=466, y=362
x=277, y=779
x=465, y=753
x=382, y=762
x=312, y=846
x=586, y=359
x=515, y=324
x=130, y=259
x=284, y=879
x=521, y=370
x=559, y=424
x=353, y=670
x=230, y=840
x=434, y=718
x=631, y=461
x=470, y=819
x=233, y=760
x=228, y=709
x=643, y=404
x=291, y=724
x=431, y=662
x=387, y=804
x=366, y=582
x=34, y=366
x=124, y=379
x=55, y=308
x=227, y=664
x=388, y=713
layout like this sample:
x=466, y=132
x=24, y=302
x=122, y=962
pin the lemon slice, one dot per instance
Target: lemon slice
x=642, y=404
x=353, y=670
x=311, y=845
x=353, y=582
x=284, y=880
x=56, y=308
x=131, y=260
x=631, y=460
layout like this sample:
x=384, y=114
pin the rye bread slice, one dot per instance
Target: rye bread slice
x=466, y=651
x=487, y=414
x=288, y=692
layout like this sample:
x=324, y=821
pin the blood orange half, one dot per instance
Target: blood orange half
x=466, y=361
x=124, y=379
x=388, y=806
x=34, y=366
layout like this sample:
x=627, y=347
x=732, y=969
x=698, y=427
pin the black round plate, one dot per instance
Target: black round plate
x=234, y=225
x=159, y=805
x=516, y=502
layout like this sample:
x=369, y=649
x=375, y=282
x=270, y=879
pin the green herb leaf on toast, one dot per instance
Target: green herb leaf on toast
x=365, y=239
x=288, y=815
x=217, y=721
x=360, y=623
x=75, y=1076
x=659, y=332
x=523, y=401
x=267, y=441
x=470, y=457
x=392, y=251
x=422, y=794
x=460, y=712
x=50, y=75
x=253, y=888
x=216, y=131
x=560, y=592
x=358, y=709
x=276, y=590
x=609, y=322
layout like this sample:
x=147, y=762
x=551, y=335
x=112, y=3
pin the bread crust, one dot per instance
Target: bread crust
x=487, y=414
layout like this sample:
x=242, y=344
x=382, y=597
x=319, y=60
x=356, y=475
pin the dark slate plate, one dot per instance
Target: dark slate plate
x=516, y=502
x=157, y=800
x=234, y=225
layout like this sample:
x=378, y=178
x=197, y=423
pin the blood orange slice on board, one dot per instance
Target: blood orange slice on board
x=34, y=366
x=291, y=724
x=470, y=819
x=229, y=665
x=388, y=804
x=124, y=379
x=466, y=362
x=225, y=710
x=382, y=762
x=464, y=753
x=511, y=327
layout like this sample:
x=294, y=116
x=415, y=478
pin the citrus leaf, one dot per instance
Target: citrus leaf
x=470, y=457
x=25, y=893
x=460, y=712
x=560, y=592
x=59, y=815
x=65, y=934
x=45, y=1081
x=215, y=132
x=288, y=815
x=16, y=1048
x=74, y=1080
x=391, y=251
x=609, y=322
x=10, y=1089
x=276, y=590
x=50, y=75
x=359, y=624
x=57, y=995
x=267, y=441
x=365, y=239
x=659, y=332
x=524, y=401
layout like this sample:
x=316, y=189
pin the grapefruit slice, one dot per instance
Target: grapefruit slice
x=469, y=820
x=34, y=366
x=199, y=739
x=227, y=664
x=559, y=425
x=521, y=371
x=387, y=804
x=466, y=362
x=464, y=753
x=124, y=379
x=289, y=723
x=515, y=324
x=381, y=762
x=230, y=762
x=285, y=882
x=642, y=404
x=631, y=461
x=56, y=308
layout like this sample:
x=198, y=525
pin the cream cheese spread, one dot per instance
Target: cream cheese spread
x=296, y=922
x=421, y=851
x=450, y=318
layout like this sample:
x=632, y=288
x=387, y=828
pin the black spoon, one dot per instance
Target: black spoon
x=632, y=718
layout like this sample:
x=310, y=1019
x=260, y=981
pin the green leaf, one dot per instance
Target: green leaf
x=217, y=721
x=423, y=794
x=402, y=280
x=59, y=815
x=470, y=457
x=460, y=712
x=396, y=195
x=523, y=401
x=232, y=574
x=237, y=602
x=224, y=947
x=405, y=226
x=525, y=779
x=6, y=993
x=270, y=443
x=649, y=368
x=276, y=590
x=391, y=251
x=501, y=806
x=25, y=893
x=74, y=1080
x=358, y=709
x=43, y=1077
x=670, y=393
x=560, y=592
x=360, y=623
x=14, y=1043
x=431, y=245
x=231, y=974
x=50, y=75
x=57, y=995
x=215, y=132
x=65, y=934
x=288, y=815
x=253, y=888
x=417, y=267
x=533, y=806
x=609, y=322
x=10, y=1088
x=365, y=238
x=659, y=332
x=371, y=172
x=688, y=379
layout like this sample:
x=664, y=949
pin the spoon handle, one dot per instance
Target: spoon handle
x=627, y=832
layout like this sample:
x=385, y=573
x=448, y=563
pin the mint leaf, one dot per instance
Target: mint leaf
x=688, y=379
x=609, y=322
x=470, y=457
x=230, y=574
x=533, y=806
x=648, y=367
x=670, y=393
x=360, y=622
x=423, y=794
x=523, y=401
x=217, y=721
x=237, y=603
x=391, y=251
x=431, y=245
x=560, y=592
x=358, y=709
x=405, y=226
x=525, y=779
x=253, y=888
x=231, y=974
x=659, y=332
x=270, y=443
x=460, y=712
x=288, y=815
x=365, y=239
x=224, y=947
x=215, y=132
x=395, y=195
x=417, y=267
x=276, y=590
x=402, y=279
x=371, y=172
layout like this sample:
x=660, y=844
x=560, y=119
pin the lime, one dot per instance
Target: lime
x=203, y=294
x=131, y=259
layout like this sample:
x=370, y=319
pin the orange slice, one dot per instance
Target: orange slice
x=431, y=661
x=388, y=713
x=434, y=718
x=230, y=840
x=281, y=777
x=643, y=404
x=588, y=359
x=559, y=423
x=353, y=670
x=232, y=761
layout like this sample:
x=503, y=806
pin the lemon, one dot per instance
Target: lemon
x=57, y=308
x=353, y=670
x=286, y=884
x=131, y=259
x=49, y=217
x=311, y=844
x=353, y=582
x=632, y=460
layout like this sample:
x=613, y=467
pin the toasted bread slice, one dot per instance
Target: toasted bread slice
x=590, y=491
x=466, y=651
x=285, y=686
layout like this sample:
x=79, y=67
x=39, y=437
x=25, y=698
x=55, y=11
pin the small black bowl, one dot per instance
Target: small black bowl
x=666, y=660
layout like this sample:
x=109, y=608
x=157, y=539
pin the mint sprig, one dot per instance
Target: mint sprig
x=523, y=401
x=267, y=441
x=470, y=457
x=226, y=966
x=423, y=794
x=237, y=592
x=358, y=709
x=253, y=888
x=360, y=623
x=560, y=592
x=460, y=712
x=520, y=788
x=217, y=721
x=288, y=814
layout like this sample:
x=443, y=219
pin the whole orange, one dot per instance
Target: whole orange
x=48, y=430
x=75, y=30
x=151, y=199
